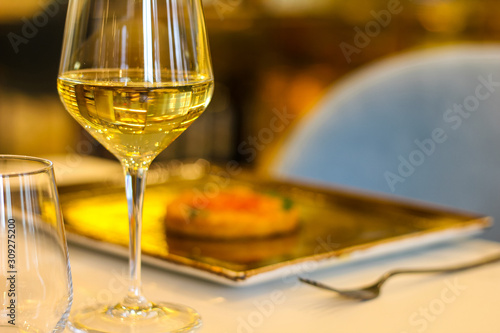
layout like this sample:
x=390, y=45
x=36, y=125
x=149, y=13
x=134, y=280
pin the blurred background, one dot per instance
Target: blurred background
x=272, y=58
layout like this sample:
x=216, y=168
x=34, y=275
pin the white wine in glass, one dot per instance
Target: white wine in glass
x=135, y=74
x=131, y=119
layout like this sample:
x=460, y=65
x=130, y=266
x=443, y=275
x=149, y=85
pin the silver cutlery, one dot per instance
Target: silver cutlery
x=373, y=290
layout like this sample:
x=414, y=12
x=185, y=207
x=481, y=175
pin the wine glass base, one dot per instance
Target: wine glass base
x=157, y=318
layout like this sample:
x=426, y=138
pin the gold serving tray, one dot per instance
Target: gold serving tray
x=336, y=226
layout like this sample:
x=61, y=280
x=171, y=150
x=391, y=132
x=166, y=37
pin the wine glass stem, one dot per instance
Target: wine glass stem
x=135, y=184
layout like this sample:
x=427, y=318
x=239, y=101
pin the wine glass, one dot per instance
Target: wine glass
x=135, y=74
x=36, y=292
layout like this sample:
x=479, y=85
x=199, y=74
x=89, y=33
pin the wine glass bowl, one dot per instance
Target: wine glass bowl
x=135, y=74
x=36, y=292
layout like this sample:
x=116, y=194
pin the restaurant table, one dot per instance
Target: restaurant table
x=461, y=302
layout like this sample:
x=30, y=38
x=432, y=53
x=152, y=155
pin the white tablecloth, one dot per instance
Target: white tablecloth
x=462, y=302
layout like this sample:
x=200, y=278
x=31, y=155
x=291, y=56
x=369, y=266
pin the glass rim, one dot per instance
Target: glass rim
x=45, y=165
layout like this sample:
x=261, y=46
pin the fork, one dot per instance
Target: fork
x=373, y=290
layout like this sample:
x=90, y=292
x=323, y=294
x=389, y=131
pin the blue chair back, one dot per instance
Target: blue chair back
x=423, y=125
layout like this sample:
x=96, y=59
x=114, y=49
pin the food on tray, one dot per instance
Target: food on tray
x=232, y=213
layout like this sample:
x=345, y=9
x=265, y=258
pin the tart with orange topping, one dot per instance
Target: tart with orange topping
x=232, y=213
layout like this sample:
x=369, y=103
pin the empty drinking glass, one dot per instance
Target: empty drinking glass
x=35, y=279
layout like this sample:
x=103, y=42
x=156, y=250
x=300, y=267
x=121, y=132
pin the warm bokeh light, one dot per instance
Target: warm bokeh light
x=267, y=55
x=10, y=11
